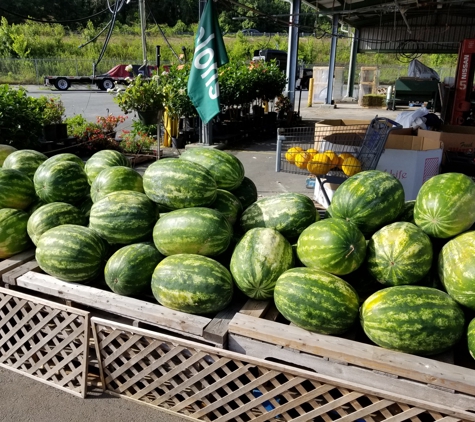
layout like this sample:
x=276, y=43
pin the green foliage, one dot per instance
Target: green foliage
x=175, y=83
x=21, y=118
x=52, y=109
x=140, y=139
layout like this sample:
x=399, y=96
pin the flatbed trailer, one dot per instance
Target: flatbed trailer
x=105, y=81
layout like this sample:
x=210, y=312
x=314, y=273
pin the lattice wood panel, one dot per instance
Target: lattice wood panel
x=44, y=340
x=209, y=384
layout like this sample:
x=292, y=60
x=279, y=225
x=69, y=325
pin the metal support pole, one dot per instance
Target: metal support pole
x=142, y=29
x=352, y=68
x=331, y=68
x=158, y=55
x=291, y=70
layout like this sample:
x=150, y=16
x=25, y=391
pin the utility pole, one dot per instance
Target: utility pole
x=142, y=28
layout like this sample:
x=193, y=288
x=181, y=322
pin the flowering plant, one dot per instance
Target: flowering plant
x=283, y=103
x=138, y=140
x=141, y=94
x=109, y=123
x=53, y=110
x=175, y=82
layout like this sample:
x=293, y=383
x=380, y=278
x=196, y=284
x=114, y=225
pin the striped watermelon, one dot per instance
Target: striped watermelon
x=114, y=179
x=471, y=338
x=316, y=300
x=71, y=253
x=399, y=253
x=66, y=156
x=445, y=205
x=412, y=319
x=226, y=169
x=35, y=205
x=5, y=151
x=85, y=206
x=332, y=245
x=456, y=266
x=124, y=217
x=16, y=189
x=193, y=284
x=13, y=235
x=129, y=270
x=407, y=213
x=103, y=159
x=370, y=199
x=24, y=160
x=179, y=184
x=288, y=213
x=201, y=231
x=61, y=181
x=52, y=215
x=258, y=260
x=246, y=192
x=228, y=205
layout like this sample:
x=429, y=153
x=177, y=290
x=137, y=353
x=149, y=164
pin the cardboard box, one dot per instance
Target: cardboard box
x=339, y=132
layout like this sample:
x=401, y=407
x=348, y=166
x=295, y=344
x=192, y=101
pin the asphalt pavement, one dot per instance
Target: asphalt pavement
x=26, y=400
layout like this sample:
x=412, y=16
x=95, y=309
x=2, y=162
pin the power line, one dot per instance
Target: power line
x=43, y=21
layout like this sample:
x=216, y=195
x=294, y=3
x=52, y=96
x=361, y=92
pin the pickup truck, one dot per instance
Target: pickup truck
x=106, y=81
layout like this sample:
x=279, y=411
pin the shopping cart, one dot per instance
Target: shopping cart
x=355, y=148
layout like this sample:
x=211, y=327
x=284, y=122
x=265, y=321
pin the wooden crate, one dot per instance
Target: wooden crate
x=15, y=261
x=210, y=330
x=255, y=331
x=203, y=383
x=45, y=341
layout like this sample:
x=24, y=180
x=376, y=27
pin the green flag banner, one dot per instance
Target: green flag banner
x=210, y=54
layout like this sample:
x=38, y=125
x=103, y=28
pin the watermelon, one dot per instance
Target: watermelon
x=228, y=205
x=35, y=205
x=412, y=319
x=332, y=245
x=193, y=284
x=52, y=215
x=407, y=213
x=66, y=156
x=288, y=213
x=399, y=253
x=85, y=206
x=129, y=270
x=370, y=199
x=113, y=179
x=246, y=192
x=471, y=338
x=13, y=235
x=124, y=217
x=71, y=253
x=61, y=181
x=226, y=169
x=179, y=184
x=316, y=300
x=103, y=159
x=445, y=205
x=16, y=189
x=199, y=230
x=5, y=151
x=258, y=260
x=24, y=160
x=456, y=267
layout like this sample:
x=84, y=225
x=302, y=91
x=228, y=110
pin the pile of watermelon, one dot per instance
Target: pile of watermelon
x=192, y=232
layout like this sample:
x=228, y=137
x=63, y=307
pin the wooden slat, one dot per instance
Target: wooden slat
x=255, y=308
x=16, y=260
x=125, y=306
x=373, y=357
x=210, y=395
x=11, y=276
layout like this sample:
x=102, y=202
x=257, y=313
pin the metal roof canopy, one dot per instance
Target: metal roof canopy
x=409, y=26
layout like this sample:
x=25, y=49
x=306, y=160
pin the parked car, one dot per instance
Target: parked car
x=254, y=32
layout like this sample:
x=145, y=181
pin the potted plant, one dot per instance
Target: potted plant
x=53, y=113
x=145, y=96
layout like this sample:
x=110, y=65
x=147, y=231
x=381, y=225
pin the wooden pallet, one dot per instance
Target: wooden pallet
x=255, y=331
x=16, y=260
x=210, y=330
x=45, y=341
x=208, y=384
